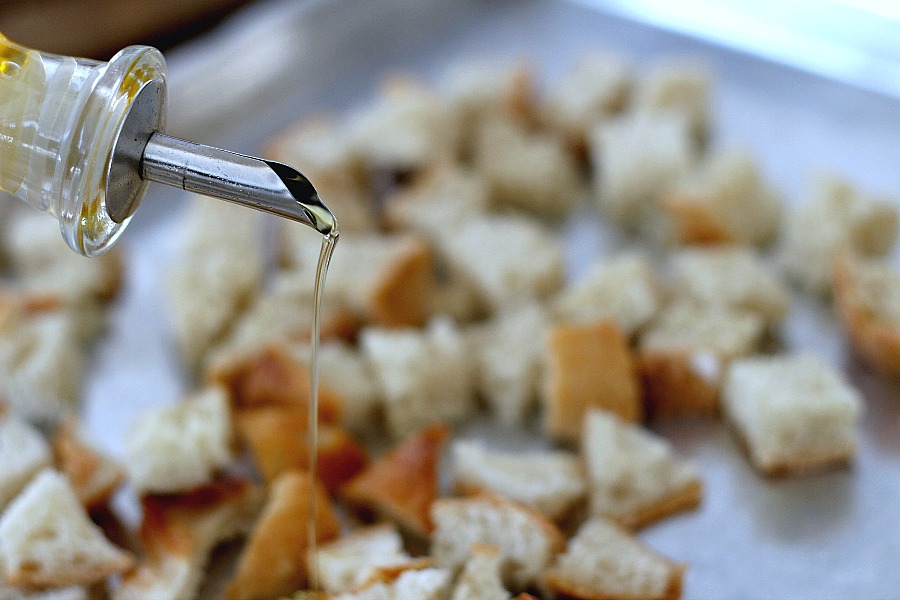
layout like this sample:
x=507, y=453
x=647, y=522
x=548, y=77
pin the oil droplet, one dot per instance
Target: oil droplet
x=9, y=69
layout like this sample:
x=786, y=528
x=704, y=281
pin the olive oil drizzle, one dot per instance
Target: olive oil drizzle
x=329, y=241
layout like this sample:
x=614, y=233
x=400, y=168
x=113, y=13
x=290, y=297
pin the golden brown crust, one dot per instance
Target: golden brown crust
x=402, y=484
x=401, y=296
x=686, y=498
x=94, y=477
x=877, y=342
x=672, y=386
x=589, y=365
x=391, y=573
x=695, y=223
x=273, y=563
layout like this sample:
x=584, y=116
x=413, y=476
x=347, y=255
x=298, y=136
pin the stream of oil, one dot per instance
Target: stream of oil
x=329, y=242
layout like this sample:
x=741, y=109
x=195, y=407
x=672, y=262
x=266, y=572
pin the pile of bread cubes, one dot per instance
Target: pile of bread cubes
x=448, y=300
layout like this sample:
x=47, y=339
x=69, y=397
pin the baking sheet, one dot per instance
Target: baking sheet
x=833, y=535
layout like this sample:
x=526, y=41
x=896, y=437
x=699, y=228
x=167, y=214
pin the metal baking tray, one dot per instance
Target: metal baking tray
x=831, y=535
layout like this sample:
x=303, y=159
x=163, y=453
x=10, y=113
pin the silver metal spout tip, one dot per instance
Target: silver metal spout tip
x=308, y=203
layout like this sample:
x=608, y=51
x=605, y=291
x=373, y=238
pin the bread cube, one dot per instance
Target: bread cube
x=490, y=88
x=634, y=477
x=422, y=583
x=679, y=86
x=93, y=475
x=72, y=592
x=605, y=561
x=550, y=482
x=480, y=577
x=347, y=562
x=836, y=219
x=589, y=365
x=792, y=412
x=23, y=454
x=180, y=447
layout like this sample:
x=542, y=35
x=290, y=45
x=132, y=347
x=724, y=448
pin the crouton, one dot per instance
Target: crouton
x=347, y=562
x=633, y=475
x=527, y=541
x=180, y=447
x=835, y=219
x=528, y=171
x=723, y=200
x=793, y=413
x=93, y=475
x=23, y=454
x=423, y=583
x=480, y=577
x=487, y=89
x=684, y=352
x=47, y=539
x=511, y=260
x=207, y=292
x=589, y=365
x=72, y=592
x=273, y=562
x=510, y=352
x=603, y=561
x=598, y=86
x=681, y=86
x=733, y=277
x=867, y=294
x=550, y=482
x=384, y=280
x=179, y=531
x=425, y=376
x=402, y=484
x=636, y=159
x=625, y=289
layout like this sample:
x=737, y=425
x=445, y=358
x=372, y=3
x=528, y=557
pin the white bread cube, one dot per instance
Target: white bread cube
x=406, y=128
x=678, y=85
x=23, y=454
x=480, y=576
x=792, y=412
x=410, y=584
x=47, y=539
x=634, y=477
x=604, y=561
x=636, y=159
x=347, y=562
x=625, y=289
x=529, y=171
x=836, y=218
x=180, y=447
x=426, y=376
x=478, y=89
x=867, y=294
x=510, y=354
x=732, y=277
x=527, y=541
x=550, y=482
x=72, y=592
x=597, y=87
x=93, y=475
x=221, y=275
x=723, y=200
x=511, y=260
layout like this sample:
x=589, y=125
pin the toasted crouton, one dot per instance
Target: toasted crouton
x=733, y=277
x=589, y=365
x=792, y=412
x=867, y=293
x=633, y=476
x=724, y=200
x=179, y=447
x=550, y=482
x=480, y=577
x=93, y=475
x=636, y=159
x=347, y=562
x=603, y=561
x=680, y=86
x=510, y=352
x=478, y=90
x=425, y=376
x=402, y=484
x=510, y=260
x=384, y=280
x=23, y=454
x=225, y=269
x=423, y=583
x=625, y=289
x=47, y=539
x=596, y=88
x=683, y=355
x=525, y=170
x=178, y=533
x=836, y=219
x=527, y=541
x=273, y=562
x=72, y=592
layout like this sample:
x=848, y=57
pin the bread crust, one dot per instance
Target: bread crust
x=401, y=296
x=686, y=498
x=94, y=477
x=672, y=386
